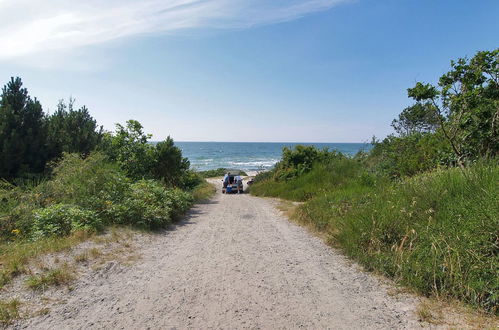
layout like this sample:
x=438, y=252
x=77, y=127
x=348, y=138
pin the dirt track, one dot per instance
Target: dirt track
x=234, y=262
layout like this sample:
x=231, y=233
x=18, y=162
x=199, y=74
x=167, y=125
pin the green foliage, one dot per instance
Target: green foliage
x=71, y=131
x=87, y=193
x=129, y=147
x=435, y=232
x=466, y=103
x=419, y=118
x=148, y=205
x=29, y=138
x=169, y=165
x=62, y=219
x=221, y=171
x=300, y=160
x=22, y=132
x=139, y=159
x=408, y=155
x=333, y=174
x=203, y=191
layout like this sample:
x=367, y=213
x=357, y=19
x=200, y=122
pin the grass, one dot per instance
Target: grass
x=52, y=277
x=14, y=256
x=203, y=191
x=9, y=311
x=435, y=232
x=425, y=313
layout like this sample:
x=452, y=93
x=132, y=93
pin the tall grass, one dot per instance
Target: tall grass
x=437, y=232
x=343, y=174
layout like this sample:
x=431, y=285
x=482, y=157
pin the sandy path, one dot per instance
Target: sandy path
x=235, y=262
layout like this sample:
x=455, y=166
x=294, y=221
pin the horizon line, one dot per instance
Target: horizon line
x=294, y=142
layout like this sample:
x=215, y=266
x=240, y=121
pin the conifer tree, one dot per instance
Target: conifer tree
x=22, y=132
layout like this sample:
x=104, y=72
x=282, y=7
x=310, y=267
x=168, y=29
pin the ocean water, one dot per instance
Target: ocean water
x=249, y=156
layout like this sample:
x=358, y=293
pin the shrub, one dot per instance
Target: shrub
x=87, y=182
x=409, y=154
x=221, y=171
x=62, y=219
x=148, y=205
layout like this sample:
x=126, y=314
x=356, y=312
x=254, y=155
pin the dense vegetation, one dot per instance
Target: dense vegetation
x=218, y=172
x=61, y=175
x=423, y=205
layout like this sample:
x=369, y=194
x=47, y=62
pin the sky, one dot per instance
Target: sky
x=240, y=70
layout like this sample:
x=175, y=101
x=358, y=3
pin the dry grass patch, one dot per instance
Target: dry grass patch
x=9, y=311
x=454, y=315
x=53, y=277
x=15, y=256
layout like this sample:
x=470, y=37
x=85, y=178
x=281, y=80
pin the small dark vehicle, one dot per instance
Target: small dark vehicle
x=232, y=186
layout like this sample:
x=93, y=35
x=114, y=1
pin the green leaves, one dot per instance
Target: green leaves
x=423, y=92
x=466, y=104
x=418, y=118
x=62, y=219
x=140, y=159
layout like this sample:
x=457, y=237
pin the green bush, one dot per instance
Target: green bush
x=334, y=173
x=221, y=171
x=87, y=182
x=87, y=193
x=409, y=154
x=148, y=205
x=62, y=219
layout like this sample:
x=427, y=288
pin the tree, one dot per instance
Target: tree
x=22, y=132
x=418, y=118
x=169, y=165
x=131, y=149
x=466, y=104
x=72, y=131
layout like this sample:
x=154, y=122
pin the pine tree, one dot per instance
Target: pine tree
x=22, y=132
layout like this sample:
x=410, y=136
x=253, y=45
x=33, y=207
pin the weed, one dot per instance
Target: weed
x=14, y=256
x=9, y=311
x=53, y=277
x=425, y=313
x=94, y=252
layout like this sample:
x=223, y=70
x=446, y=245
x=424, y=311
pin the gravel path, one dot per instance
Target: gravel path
x=235, y=262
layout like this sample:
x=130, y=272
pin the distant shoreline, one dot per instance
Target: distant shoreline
x=251, y=156
x=269, y=142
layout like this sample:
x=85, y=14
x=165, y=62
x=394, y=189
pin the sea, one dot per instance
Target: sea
x=250, y=156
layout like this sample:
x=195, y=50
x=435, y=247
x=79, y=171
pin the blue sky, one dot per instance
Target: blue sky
x=240, y=70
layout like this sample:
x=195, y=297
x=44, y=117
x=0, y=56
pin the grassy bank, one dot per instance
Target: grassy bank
x=435, y=232
x=203, y=191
